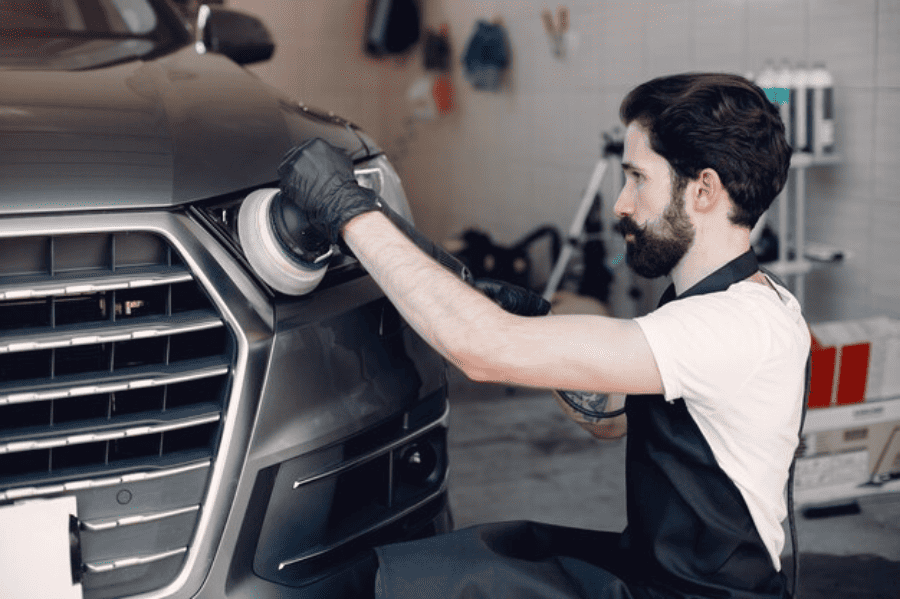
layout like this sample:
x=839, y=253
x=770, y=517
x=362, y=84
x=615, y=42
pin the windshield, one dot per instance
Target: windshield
x=72, y=34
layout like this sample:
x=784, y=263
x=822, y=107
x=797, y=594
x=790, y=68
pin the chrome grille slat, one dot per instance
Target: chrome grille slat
x=20, y=446
x=97, y=425
x=127, y=562
x=111, y=384
x=72, y=336
x=362, y=532
x=95, y=284
x=138, y=519
x=371, y=455
x=96, y=483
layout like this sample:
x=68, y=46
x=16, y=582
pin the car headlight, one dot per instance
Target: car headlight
x=283, y=272
x=379, y=175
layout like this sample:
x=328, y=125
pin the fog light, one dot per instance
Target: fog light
x=418, y=463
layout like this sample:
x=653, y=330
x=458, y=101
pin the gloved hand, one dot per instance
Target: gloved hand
x=514, y=299
x=317, y=180
x=303, y=242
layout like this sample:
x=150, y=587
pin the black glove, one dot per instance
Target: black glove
x=317, y=180
x=514, y=299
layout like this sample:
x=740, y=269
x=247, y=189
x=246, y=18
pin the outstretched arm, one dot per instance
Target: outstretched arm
x=577, y=352
x=583, y=352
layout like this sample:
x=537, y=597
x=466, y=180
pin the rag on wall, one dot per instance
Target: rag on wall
x=487, y=56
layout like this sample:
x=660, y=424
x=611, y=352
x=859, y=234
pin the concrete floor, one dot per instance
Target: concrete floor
x=515, y=456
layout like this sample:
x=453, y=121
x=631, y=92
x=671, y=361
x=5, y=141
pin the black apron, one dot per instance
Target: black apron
x=689, y=534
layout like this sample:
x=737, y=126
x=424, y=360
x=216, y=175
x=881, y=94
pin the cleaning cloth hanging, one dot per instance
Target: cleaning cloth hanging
x=487, y=55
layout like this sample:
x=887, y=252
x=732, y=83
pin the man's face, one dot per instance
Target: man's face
x=657, y=229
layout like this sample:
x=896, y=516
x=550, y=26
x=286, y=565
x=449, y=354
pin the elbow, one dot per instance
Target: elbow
x=471, y=365
x=481, y=349
x=480, y=375
x=475, y=358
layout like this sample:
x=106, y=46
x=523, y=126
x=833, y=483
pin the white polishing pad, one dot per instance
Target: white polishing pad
x=265, y=254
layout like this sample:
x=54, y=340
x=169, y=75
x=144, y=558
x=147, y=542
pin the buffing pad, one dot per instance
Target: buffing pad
x=272, y=263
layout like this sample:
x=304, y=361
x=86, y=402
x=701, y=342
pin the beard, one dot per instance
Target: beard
x=655, y=251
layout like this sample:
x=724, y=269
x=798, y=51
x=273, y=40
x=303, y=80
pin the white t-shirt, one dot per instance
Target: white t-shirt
x=738, y=359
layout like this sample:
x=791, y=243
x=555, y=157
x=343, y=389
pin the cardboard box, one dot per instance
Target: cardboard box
x=841, y=465
x=830, y=471
x=880, y=442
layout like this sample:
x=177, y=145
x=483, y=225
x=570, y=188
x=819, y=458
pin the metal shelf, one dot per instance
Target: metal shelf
x=798, y=266
x=806, y=160
x=843, y=493
x=790, y=268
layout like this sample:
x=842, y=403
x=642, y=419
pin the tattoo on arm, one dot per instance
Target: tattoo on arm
x=591, y=407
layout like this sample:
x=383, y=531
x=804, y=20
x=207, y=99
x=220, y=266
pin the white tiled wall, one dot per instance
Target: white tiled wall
x=511, y=161
x=320, y=59
x=568, y=104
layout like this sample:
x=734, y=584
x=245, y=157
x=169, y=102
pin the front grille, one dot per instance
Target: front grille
x=114, y=369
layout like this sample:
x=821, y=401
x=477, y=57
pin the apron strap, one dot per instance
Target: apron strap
x=737, y=270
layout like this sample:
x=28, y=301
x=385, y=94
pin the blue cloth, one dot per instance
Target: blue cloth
x=487, y=55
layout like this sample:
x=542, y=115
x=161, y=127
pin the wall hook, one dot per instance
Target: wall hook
x=557, y=29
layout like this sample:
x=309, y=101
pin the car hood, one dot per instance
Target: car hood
x=148, y=134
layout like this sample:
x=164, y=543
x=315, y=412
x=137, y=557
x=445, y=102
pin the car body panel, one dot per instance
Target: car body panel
x=148, y=134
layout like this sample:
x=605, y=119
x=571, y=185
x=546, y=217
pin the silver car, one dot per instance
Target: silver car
x=212, y=437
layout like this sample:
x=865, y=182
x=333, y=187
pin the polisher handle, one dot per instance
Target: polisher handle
x=511, y=298
x=442, y=256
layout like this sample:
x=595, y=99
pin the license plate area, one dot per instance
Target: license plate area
x=36, y=550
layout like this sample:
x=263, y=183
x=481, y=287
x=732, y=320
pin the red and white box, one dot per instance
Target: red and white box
x=852, y=432
x=855, y=361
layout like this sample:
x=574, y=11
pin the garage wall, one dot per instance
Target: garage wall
x=511, y=161
x=319, y=59
x=514, y=160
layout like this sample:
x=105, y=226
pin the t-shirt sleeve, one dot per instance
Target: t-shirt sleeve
x=704, y=346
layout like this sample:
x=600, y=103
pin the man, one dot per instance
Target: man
x=715, y=378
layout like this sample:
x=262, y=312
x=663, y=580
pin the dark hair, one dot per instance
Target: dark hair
x=718, y=121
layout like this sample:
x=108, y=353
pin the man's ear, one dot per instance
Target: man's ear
x=708, y=191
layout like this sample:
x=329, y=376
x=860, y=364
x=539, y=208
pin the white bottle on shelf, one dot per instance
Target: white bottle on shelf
x=821, y=84
x=784, y=80
x=766, y=77
x=766, y=80
x=801, y=102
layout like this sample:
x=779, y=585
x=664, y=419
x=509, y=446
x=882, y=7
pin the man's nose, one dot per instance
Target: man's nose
x=624, y=203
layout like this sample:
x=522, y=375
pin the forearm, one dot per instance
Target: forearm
x=447, y=313
x=488, y=344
